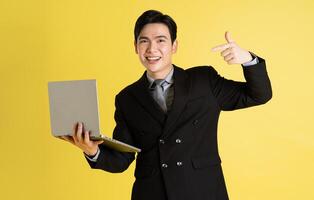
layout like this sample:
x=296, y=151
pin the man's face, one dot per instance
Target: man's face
x=155, y=49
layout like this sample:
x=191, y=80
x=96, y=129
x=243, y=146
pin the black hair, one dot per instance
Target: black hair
x=154, y=16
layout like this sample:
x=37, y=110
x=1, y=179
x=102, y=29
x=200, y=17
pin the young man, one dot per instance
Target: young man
x=172, y=115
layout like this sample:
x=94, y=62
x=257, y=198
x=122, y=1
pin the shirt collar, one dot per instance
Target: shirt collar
x=169, y=78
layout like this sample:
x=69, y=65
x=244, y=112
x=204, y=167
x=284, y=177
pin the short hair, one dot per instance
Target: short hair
x=154, y=16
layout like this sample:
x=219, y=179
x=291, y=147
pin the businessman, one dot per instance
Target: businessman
x=172, y=115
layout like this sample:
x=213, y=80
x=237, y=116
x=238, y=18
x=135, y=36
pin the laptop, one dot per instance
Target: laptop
x=76, y=101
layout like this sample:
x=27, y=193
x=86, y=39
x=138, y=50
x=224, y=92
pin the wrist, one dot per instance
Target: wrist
x=250, y=57
x=91, y=153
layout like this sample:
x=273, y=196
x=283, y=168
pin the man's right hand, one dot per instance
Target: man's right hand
x=82, y=140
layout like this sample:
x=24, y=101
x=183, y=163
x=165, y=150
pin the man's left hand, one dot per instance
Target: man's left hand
x=232, y=53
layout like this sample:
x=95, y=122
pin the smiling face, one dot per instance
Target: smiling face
x=155, y=48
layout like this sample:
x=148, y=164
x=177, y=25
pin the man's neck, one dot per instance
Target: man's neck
x=160, y=75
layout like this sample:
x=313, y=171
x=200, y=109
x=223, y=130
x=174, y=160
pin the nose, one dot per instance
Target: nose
x=151, y=47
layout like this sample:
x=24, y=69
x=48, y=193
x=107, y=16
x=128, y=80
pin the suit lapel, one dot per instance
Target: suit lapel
x=141, y=92
x=181, y=91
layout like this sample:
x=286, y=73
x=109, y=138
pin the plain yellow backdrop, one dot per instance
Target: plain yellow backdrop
x=267, y=151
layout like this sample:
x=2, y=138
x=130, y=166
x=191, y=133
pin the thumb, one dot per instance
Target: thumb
x=99, y=142
x=228, y=37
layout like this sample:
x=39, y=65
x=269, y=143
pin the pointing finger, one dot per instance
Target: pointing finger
x=221, y=47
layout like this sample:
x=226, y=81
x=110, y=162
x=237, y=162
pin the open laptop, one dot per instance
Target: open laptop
x=76, y=101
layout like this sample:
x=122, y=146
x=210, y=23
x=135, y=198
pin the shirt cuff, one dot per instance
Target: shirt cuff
x=252, y=62
x=93, y=158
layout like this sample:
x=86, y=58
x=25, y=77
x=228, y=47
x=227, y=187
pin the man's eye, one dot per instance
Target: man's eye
x=161, y=40
x=143, y=41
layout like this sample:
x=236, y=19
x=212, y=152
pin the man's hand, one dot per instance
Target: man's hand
x=232, y=53
x=82, y=140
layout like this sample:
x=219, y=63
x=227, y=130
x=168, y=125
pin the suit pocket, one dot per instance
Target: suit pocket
x=205, y=161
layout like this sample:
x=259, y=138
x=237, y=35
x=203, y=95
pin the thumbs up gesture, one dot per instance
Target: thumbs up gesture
x=231, y=52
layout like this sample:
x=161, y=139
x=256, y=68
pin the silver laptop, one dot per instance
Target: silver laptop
x=76, y=101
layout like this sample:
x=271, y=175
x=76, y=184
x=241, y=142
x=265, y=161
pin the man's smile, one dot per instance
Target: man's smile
x=152, y=58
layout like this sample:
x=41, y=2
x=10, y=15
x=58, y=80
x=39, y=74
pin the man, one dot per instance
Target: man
x=172, y=115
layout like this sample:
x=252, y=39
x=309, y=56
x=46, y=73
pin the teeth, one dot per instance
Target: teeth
x=153, y=58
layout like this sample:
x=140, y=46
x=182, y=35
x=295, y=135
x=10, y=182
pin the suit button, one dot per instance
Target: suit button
x=179, y=163
x=164, y=165
x=178, y=141
x=161, y=141
x=195, y=122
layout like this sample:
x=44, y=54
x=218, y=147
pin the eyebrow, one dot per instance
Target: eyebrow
x=157, y=37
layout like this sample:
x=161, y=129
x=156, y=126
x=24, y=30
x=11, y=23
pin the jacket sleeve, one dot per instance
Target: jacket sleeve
x=233, y=95
x=111, y=160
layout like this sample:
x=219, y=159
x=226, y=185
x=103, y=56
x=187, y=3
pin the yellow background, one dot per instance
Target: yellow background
x=267, y=151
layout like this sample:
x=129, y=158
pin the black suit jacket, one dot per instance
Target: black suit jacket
x=179, y=158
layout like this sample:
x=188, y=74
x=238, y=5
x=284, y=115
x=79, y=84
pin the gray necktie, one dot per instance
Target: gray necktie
x=158, y=87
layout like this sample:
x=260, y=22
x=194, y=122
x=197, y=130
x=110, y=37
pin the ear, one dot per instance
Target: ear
x=135, y=47
x=175, y=46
